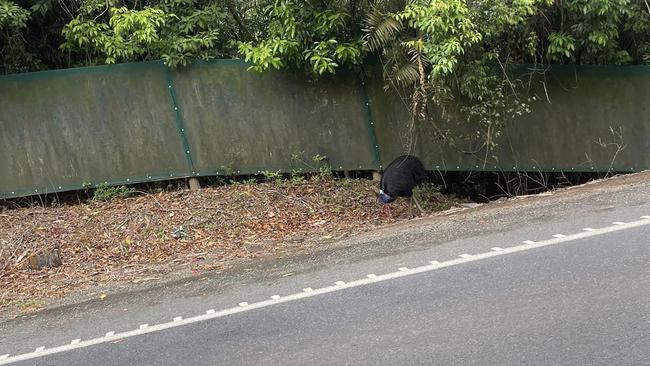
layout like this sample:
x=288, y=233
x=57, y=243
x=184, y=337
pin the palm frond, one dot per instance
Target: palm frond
x=404, y=74
x=380, y=29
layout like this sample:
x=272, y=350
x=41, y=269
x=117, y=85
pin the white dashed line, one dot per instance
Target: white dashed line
x=339, y=283
x=178, y=318
x=243, y=304
x=308, y=289
x=496, y=249
x=403, y=269
x=2, y=357
x=559, y=236
x=371, y=279
x=435, y=263
x=589, y=229
x=645, y=217
x=618, y=223
x=275, y=297
x=75, y=341
x=110, y=334
x=529, y=242
x=465, y=255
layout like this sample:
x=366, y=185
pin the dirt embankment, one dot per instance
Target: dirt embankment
x=147, y=236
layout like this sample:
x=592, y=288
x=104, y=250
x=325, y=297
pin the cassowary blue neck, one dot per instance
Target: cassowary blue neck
x=385, y=198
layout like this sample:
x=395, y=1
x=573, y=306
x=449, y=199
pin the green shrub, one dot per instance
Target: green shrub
x=106, y=193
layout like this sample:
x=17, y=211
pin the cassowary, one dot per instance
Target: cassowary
x=400, y=177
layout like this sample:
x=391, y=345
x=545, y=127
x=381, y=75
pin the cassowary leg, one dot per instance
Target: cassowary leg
x=410, y=199
x=417, y=204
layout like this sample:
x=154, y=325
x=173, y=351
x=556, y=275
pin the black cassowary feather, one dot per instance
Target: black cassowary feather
x=400, y=177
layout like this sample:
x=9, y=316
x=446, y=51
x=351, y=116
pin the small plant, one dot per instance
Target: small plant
x=106, y=193
x=325, y=170
x=318, y=158
x=227, y=170
x=249, y=182
x=297, y=177
x=272, y=177
x=429, y=196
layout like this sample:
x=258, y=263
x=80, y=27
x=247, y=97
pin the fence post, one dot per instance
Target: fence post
x=374, y=145
x=193, y=181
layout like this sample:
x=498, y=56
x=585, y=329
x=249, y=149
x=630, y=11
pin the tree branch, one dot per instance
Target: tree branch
x=235, y=14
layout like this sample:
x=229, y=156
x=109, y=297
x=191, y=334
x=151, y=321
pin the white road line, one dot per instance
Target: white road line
x=39, y=349
x=529, y=242
x=144, y=326
x=589, y=229
x=178, y=318
x=339, y=283
x=645, y=217
x=2, y=357
x=110, y=334
x=275, y=297
x=435, y=263
x=403, y=269
x=308, y=289
x=618, y=223
x=371, y=275
x=465, y=255
x=211, y=314
x=243, y=304
x=559, y=236
x=496, y=249
x=75, y=341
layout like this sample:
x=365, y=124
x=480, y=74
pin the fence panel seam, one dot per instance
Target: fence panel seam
x=182, y=132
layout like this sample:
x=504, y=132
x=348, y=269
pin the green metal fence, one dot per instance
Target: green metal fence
x=63, y=130
x=569, y=129
x=67, y=129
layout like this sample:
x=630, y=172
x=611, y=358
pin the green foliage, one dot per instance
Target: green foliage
x=14, y=56
x=176, y=31
x=431, y=37
x=273, y=177
x=12, y=17
x=297, y=178
x=324, y=168
x=561, y=46
x=429, y=196
x=305, y=34
x=445, y=28
x=106, y=193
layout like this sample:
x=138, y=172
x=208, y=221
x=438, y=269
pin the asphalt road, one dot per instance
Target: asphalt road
x=581, y=302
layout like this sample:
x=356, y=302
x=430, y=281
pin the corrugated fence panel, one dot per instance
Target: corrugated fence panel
x=249, y=122
x=62, y=129
x=568, y=129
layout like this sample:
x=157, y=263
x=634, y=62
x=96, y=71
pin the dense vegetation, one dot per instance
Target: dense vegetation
x=430, y=50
